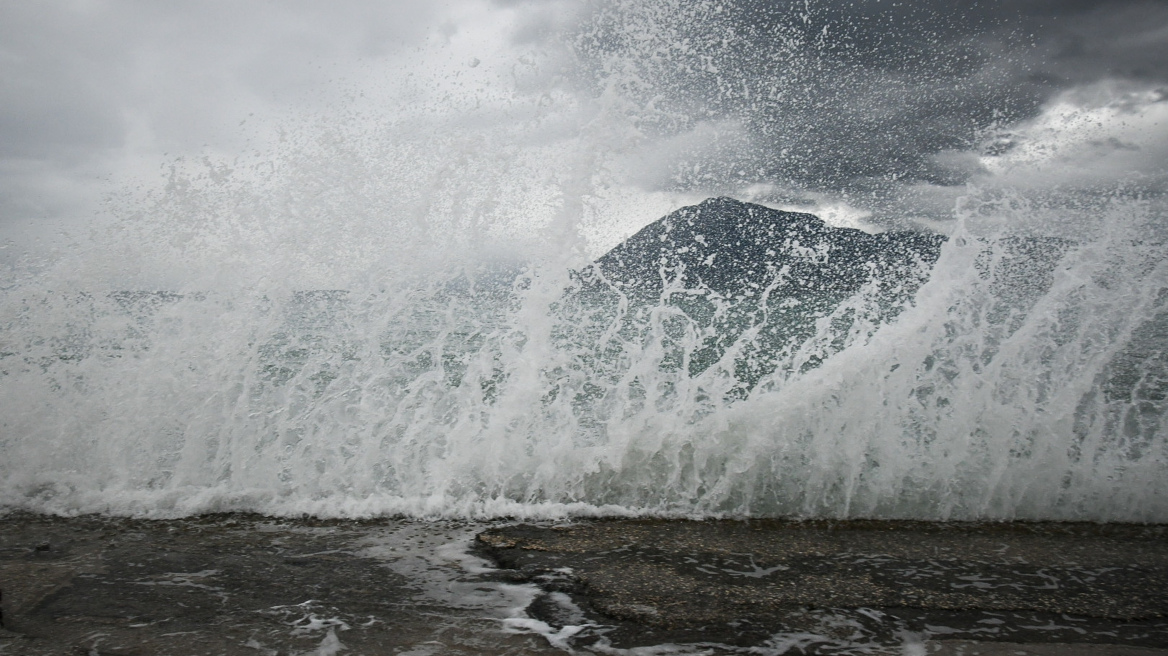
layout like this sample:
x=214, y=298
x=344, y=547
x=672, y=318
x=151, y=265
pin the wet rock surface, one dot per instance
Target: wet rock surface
x=237, y=584
x=826, y=587
x=247, y=584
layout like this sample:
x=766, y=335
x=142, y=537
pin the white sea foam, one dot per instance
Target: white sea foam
x=369, y=319
x=1006, y=389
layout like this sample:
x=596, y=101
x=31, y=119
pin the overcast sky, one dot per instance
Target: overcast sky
x=882, y=110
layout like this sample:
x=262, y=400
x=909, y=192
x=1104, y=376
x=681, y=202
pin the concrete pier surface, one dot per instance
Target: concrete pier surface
x=251, y=585
x=248, y=584
x=821, y=586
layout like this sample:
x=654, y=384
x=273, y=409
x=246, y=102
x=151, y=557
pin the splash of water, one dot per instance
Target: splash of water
x=1012, y=384
x=372, y=320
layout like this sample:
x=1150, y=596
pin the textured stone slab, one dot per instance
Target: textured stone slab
x=741, y=582
x=245, y=585
x=238, y=584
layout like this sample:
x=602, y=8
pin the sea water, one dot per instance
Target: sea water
x=379, y=314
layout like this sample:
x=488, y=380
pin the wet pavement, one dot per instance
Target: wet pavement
x=827, y=586
x=239, y=584
x=261, y=586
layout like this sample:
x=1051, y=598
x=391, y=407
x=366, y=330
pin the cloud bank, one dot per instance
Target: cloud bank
x=880, y=110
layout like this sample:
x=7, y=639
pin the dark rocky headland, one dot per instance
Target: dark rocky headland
x=728, y=248
x=730, y=267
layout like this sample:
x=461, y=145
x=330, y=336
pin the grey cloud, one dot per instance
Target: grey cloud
x=1092, y=40
x=83, y=80
x=865, y=99
x=55, y=100
x=872, y=101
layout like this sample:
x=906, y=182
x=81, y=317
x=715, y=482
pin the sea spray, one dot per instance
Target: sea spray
x=378, y=309
x=1023, y=380
x=1026, y=381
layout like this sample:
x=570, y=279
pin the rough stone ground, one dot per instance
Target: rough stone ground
x=1013, y=588
x=260, y=586
x=239, y=584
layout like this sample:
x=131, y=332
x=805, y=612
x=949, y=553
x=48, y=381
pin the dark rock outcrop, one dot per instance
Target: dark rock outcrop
x=733, y=249
x=703, y=277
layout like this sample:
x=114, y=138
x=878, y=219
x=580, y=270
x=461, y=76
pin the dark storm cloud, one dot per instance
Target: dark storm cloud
x=1083, y=41
x=863, y=98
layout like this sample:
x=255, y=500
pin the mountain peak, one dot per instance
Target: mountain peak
x=722, y=244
